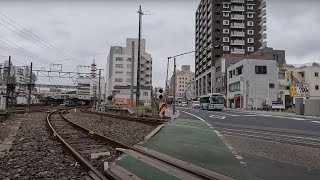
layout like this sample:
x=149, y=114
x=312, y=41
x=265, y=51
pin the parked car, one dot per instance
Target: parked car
x=184, y=104
x=195, y=104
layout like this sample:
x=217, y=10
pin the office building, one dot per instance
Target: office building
x=183, y=77
x=252, y=84
x=119, y=72
x=226, y=27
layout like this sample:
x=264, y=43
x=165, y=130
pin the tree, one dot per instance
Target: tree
x=110, y=98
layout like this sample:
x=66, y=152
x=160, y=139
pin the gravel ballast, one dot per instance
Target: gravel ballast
x=127, y=132
x=35, y=155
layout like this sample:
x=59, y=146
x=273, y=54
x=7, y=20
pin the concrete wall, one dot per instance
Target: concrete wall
x=312, y=107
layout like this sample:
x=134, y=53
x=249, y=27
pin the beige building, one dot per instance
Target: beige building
x=191, y=91
x=305, y=75
x=183, y=77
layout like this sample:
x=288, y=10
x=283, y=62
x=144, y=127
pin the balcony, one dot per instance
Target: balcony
x=237, y=34
x=264, y=36
x=237, y=51
x=237, y=25
x=237, y=8
x=237, y=17
x=237, y=1
x=263, y=20
x=237, y=42
x=264, y=44
x=263, y=12
x=263, y=4
x=263, y=28
x=209, y=63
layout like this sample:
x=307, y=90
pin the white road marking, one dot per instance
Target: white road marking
x=228, y=114
x=315, y=121
x=217, y=117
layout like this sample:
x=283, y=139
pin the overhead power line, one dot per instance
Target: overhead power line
x=23, y=50
x=36, y=39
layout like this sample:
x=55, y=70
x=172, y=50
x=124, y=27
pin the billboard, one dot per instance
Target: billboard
x=299, y=90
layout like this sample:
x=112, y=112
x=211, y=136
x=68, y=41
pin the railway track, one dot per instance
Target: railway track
x=272, y=135
x=82, y=142
x=148, y=120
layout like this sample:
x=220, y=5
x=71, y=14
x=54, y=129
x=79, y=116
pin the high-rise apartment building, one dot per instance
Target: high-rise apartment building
x=226, y=27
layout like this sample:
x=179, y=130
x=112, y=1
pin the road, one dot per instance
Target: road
x=304, y=126
x=273, y=146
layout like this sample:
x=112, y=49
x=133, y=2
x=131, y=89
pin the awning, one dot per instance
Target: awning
x=236, y=97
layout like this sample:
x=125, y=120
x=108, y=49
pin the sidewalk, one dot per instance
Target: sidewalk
x=276, y=113
x=193, y=142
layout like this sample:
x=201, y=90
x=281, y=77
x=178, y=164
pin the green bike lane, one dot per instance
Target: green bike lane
x=193, y=141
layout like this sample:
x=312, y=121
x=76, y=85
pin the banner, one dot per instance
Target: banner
x=299, y=90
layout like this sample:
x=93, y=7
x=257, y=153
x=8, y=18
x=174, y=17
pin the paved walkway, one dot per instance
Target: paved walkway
x=192, y=141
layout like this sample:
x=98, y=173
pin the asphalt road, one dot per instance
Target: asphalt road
x=267, y=159
x=297, y=125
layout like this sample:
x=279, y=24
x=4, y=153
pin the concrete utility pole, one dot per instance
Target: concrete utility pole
x=139, y=57
x=95, y=97
x=30, y=81
x=99, y=90
x=8, y=81
x=132, y=75
x=174, y=85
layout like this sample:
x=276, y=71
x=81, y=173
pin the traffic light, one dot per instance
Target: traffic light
x=160, y=94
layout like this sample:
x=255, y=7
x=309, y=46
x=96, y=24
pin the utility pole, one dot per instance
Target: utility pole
x=30, y=81
x=132, y=76
x=8, y=81
x=95, y=97
x=139, y=57
x=99, y=90
x=174, y=85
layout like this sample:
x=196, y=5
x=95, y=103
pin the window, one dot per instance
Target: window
x=250, y=7
x=119, y=65
x=119, y=59
x=230, y=74
x=225, y=14
x=129, y=59
x=234, y=87
x=128, y=80
x=217, y=13
x=271, y=85
x=218, y=39
x=250, y=23
x=128, y=65
x=249, y=15
x=218, y=79
x=225, y=31
x=250, y=32
x=250, y=49
x=225, y=5
x=128, y=73
x=316, y=74
x=145, y=93
x=218, y=22
x=239, y=70
x=119, y=72
x=217, y=5
x=225, y=48
x=317, y=87
x=118, y=80
x=225, y=39
x=218, y=68
x=226, y=22
x=261, y=69
x=250, y=40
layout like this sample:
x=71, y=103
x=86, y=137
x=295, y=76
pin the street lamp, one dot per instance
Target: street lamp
x=174, y=70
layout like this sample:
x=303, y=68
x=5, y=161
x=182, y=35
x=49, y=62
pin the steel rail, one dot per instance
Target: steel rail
x=217, y=176
x=80, y=158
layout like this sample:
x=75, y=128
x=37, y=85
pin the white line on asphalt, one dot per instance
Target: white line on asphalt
x=315, y=121
x=227, y=114
x=198, y=118
x=217, y=116
x=284, y=117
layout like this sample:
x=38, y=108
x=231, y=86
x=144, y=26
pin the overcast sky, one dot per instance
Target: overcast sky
x=86, y=29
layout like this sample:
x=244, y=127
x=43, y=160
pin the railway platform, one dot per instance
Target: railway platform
x=189, y=142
